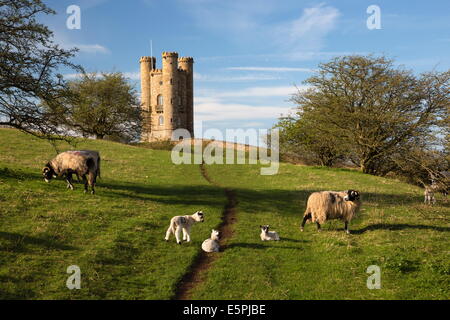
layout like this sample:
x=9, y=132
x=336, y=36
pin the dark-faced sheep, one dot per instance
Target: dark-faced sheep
x=82, y=163
x=327, y=205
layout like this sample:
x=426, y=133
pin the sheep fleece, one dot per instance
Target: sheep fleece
x=327, y=205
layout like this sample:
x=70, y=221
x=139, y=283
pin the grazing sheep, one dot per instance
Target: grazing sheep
x=184, y=223
x=81, y=163
x=212, y=244
x=429, y=195
x=328, y=205
x=267, y=235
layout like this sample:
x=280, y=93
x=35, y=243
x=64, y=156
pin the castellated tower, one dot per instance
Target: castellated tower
x=167, y=96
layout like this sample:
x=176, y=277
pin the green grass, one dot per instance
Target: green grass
x=116, y=236
x=407, y=240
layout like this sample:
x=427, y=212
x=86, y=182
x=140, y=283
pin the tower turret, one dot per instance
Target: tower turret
x=170, y=87
x=187, y=64
x=146, y=64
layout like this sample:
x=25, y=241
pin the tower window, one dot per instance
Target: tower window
x=160, y=100
x=161, y=120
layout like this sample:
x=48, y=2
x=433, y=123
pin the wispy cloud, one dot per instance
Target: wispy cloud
x=216, y=110
x=254, y=24
x=225, y=78
x=308, y=32
x=216, y=106
x=63, y=40
x=89, y=48
x=272, y=69
x=251, y=92
x=130, y=75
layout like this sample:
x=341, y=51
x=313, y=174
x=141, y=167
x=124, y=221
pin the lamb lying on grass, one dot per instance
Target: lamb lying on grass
x=212, y=244
x=184, y=223
x=267, y=235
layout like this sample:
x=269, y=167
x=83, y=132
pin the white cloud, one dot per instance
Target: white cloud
x=132, y=75
x=256, y=25
x=272, y=69
x=90, y=48
x=220, y=111
x=221, y=78
x=284, y=91
x=309, y=30
x=63, y=40
x=129, y=75
x=71, y=76
x=251, y=92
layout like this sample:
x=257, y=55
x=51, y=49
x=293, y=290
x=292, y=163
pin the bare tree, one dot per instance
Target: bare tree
x=32, y=93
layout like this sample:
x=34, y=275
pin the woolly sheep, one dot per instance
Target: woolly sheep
x=81, y=163
x=327, y=205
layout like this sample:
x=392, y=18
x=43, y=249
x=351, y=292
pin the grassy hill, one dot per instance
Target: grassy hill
x=116, y=236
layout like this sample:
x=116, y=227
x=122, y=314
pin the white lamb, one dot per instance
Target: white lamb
x=184, y=223
x=212, y=244
x=267, y=235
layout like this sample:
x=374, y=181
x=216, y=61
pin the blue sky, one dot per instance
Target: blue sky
x=250, y=54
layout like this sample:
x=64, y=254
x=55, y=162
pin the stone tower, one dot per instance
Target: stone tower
x=167, y=96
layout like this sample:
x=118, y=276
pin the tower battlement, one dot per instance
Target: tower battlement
x=169, y=54
x=186, y=59
x=167, y=96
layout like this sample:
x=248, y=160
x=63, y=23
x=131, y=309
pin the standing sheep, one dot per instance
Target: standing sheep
x=81, y=163
x=327, y=205
x=429, y=195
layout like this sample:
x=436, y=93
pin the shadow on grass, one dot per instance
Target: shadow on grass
x=18, y=242
x=7, y=173
x=288, y=202
x=285, y=202
x=268, y=244
x=400, y=226
x=179, y=194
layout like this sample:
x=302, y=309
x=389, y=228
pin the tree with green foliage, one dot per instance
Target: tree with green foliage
x=105, y=105
x=370, y=108
x=301, y=139
x=32, y=93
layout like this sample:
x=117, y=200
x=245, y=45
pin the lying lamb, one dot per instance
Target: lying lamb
x=184, y=223
x=212, y=244
x=267, y=235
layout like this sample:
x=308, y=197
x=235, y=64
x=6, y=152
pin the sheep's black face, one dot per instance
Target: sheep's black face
x=200, y=216
x=48, y=173
x=352, y=195
x=265, y=228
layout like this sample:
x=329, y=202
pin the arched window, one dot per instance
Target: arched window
x=161, y=120
x=160, y=100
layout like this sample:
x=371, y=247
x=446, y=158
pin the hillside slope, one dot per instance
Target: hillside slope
x=116, y=236
x=409, y=241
